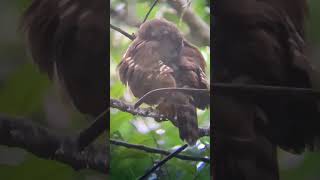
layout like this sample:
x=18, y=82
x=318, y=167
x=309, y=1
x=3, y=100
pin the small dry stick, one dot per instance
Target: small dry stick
x=130, y=36
x=233, y=89
x=154, y=3
x=93, y=131
x=162, y=162
x=161, y=90
x=157, y=151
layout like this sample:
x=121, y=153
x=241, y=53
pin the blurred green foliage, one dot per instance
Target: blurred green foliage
x=23, y=93
x=313, y=27
x=130, y=163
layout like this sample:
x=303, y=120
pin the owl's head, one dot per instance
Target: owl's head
x=158, y=29
x=166, y=33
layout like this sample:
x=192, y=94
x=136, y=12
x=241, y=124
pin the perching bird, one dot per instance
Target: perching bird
x=261, y=42
x=68, y=40
x=160, y=57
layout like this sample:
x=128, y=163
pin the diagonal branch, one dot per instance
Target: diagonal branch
x=198, y=28
x=130, y=36
x=233, y=89
x=158, y=151
x=144, y=112
x=250, y=90
x=22, y=133
x=152, y=6
x=162, y=162
x=229, y=89
x=156, y=92
x=93, y=131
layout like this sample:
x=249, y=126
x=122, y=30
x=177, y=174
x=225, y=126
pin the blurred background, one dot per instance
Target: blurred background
x=306, y=166
x=25, y=92
x=130, y=163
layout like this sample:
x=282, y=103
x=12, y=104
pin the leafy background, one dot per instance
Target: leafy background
x=129, y=163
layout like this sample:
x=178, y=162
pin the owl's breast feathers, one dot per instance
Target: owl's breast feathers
x=143, y=70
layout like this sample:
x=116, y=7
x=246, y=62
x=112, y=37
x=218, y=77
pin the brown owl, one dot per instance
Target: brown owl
x=160, y=57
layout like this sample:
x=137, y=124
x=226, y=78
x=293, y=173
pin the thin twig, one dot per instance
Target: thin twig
x=130, y=36
x=93, y=131
x=232, y=89
x=157, y=151
x=146, y=17
x=199, y=28
x=162, y=90
x=170, y=156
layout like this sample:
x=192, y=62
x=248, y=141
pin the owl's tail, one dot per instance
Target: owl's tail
x=187, y=123
x=182, y=113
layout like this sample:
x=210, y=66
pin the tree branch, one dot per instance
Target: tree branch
x=157, y=92
x=157, y=151
x=233, y=89
x=251, y=90
x=162, y=162
x=22, y=133
x=229, y=89
x=147, y=112
x=198, y=28
x=130, y=36
x=144, y=112
x=93, y=131
x=152, y=6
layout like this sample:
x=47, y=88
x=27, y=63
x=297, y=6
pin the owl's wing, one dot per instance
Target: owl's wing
x=192, y=66
x=142, y=69
x=127, y=64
